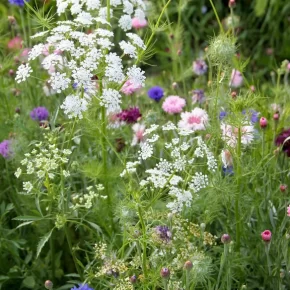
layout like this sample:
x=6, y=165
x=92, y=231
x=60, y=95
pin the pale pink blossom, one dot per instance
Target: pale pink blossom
x=227, y=158
x=230, y=134
x=138, y=137
x=15, y=43
x=236, y=79
x=139, y=23
x=129, y=88
x=173, y=104
x=195, y=120
x=288, y=211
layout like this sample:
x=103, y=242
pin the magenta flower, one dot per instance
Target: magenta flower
x=130, y=116
x=266, y=236
x=173, y=105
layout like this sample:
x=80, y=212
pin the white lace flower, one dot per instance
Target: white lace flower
x=136, y=76
x=125, y=22
x=23, y=73
x=111, y=99
x=35, y=51
x=128, y=49
x=59, y=82
x=74, y=106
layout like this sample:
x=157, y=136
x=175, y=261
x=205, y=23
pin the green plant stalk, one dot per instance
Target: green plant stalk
x=23, y=26
x=71, y=251
x=267, y=248
x=144, y=256
x=217, y=17
x=237, y=214
x=222, y=264
x=165, y=283
x=187, y=276
x=52, y=257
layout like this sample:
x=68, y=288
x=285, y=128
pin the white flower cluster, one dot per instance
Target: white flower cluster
x=77, y=60
x=88, y=199
x=175, y=170
x=44, y=162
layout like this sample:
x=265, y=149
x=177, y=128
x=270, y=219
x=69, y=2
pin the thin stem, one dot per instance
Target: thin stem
x=217, y=17
x=52, y=257
x=144, y=256
x=71, y=251
x=23, y=27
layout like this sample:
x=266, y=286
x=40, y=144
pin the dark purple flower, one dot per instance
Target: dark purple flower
x=281, y=141
x=199, y=67
x=82, y=287
x=156, y=93
x=130, y=115
x=17, y=2
x=222, y=115
x=5, y=149
x=163, y=233
x=198, y=96
x=39, y=114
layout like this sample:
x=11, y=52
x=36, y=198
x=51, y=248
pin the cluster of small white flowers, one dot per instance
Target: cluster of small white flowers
x=111, y=99
x=175, y=171
x=87, y=200
x=44, y=162
x=199, y=181
x=73, y=57
x=131, y=167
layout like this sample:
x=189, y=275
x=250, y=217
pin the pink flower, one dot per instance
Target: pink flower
x=236, y=79
x=266, y=236
x=195, y=120
x=173, y=104
x=129, y=88
x=139, y=23
x=138, y=130
x=288, y=211
x=15, y=43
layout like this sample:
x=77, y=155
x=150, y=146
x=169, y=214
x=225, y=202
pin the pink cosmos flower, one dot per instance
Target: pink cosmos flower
x=15, y=43
x=266, y=236
x=138, y=137
x=230, y=134
x=173, y=104
x=195, y=120
x=236, y=79
x=288, y=211
x=129, y=88
x=139, y=23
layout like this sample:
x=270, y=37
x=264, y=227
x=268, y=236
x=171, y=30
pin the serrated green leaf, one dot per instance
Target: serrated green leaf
x=24, y=224
x=42, y=242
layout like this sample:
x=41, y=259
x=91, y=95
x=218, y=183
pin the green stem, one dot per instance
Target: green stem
x=237, y=215
x=23, y=27
x=217, y=17
x=187, y=279
x=52, y=256
x=71, y=251
x=144, y=256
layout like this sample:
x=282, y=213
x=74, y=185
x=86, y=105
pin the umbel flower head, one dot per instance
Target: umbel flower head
x=221, y=50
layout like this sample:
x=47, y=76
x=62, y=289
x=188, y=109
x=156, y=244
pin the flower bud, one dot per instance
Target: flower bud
x=232, y=3
x=226, y=239
x=165, y=273
x=263, y=122
x=12, y=20
x=175, y=85
x=11, y=72
x=266, y=236
x=283, y=187
x=276, y=116
x=17, y=110
x=48, y=284
x=133, y=279
x=188, y=265
x=202, y=226
x=234, y=94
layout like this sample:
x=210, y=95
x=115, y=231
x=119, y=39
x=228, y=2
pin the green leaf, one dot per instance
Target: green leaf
x=260, y=7
x=42, y=242
x=24, y=224
x=95, y=226
x=29, y=282
x=28, y=218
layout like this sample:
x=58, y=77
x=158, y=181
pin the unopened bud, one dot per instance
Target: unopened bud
x=263, y=122
x=226, y=239
x=234, y=94
x=11, y=20
x=11, y=72
x=232, y=3
x=276, y=116
x=174, y=85
x=283, y=187
x=188, y=265
x=165, y=273
x=133, y=279
x=48, y=284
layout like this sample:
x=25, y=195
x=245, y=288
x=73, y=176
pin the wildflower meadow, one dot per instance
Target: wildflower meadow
x=144, y=144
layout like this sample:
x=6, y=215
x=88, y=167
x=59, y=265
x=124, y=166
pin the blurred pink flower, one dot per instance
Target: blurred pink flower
x=139, y=23
x=15, y=43
x=138, y=137
x=129, y=88
x=195, y=120
x=173, y=104
x=288, y=211
x=236, y=79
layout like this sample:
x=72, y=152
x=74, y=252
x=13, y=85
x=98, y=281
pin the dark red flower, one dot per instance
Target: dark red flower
x=283, y=139
x=130, y=115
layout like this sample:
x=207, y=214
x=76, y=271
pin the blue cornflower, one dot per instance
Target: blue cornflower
x=253, y=115
x=39, y=114
x=82, y=287
x=17, y=2
x=222, y=115
x=156, y=93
